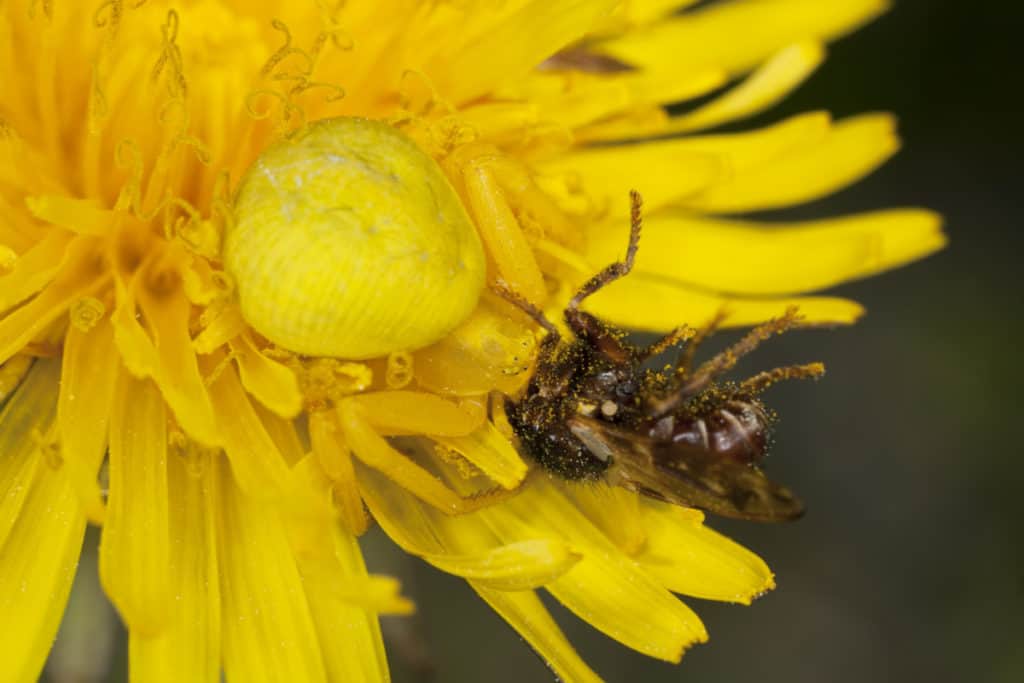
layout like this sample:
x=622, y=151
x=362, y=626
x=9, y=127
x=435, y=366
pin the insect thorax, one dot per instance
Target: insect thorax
x=577, y=382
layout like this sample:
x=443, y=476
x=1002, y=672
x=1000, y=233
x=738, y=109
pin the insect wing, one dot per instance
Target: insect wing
x=686, y=475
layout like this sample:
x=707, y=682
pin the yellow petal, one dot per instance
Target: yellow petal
x=772, y=81
x=135, y=547
x=358, y=655
x=136, y=348
x=464, y=546
x=182, y=386
x=188, y=649
x=221, y=324
x=661, y=170
x=268, y=631
x=536, y=30
x=37, y=565
x=335, y=459
x=88, y=378
x=255, y=459
x=311, y=522
x=283, y=434
x=641, y=302
x=32, y=270
x=415, y=412
x=677, y=170
x=744, y=257
x=11, y=374
x=376, y=594
x=647, y=11
x=492, y=453
x=24, y=421
x=852, y=149
x=687, y=557
x=513, y=567
x=606, y=588
x=574, y=99
x=737, y=35
x=612, y=509
x=79, y=277
x=84, y=216
x=526, y=614
x=269, y=382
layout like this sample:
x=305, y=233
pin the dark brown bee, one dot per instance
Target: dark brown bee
x=591, y=410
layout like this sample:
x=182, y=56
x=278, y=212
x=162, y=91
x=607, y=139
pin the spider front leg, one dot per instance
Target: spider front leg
x=374, y=451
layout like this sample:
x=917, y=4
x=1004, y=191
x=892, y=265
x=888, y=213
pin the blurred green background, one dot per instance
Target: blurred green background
x=910, y=562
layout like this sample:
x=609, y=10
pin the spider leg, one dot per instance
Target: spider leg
x=374, y=450
x=526, y=307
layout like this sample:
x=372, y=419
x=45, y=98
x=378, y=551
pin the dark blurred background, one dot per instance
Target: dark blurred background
x=910, y=562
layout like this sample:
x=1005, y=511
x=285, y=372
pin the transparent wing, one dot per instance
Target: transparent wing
x=686, y=475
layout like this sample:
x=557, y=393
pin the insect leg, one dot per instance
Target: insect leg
x=723, y=362
x=680, y=334
x=685, y=362
x=728, y=358
x=619, y=268
x=763, y=380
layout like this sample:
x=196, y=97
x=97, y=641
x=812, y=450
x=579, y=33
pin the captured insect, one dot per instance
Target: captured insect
x=592, y=410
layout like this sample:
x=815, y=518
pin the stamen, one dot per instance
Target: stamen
x=171, y=54
x=285, y=51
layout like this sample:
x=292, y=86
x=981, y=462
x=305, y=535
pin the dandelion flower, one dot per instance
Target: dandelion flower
x=232, y=467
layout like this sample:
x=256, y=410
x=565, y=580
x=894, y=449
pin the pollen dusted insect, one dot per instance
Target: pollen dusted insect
x=591, y=410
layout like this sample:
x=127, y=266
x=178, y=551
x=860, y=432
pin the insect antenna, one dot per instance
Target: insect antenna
x=619, y=268
x=725, y=361
x=763, y=380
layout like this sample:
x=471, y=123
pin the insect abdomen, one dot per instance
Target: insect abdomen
x=737, y=430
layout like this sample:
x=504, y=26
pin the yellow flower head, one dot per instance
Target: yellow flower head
x=244, y=257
